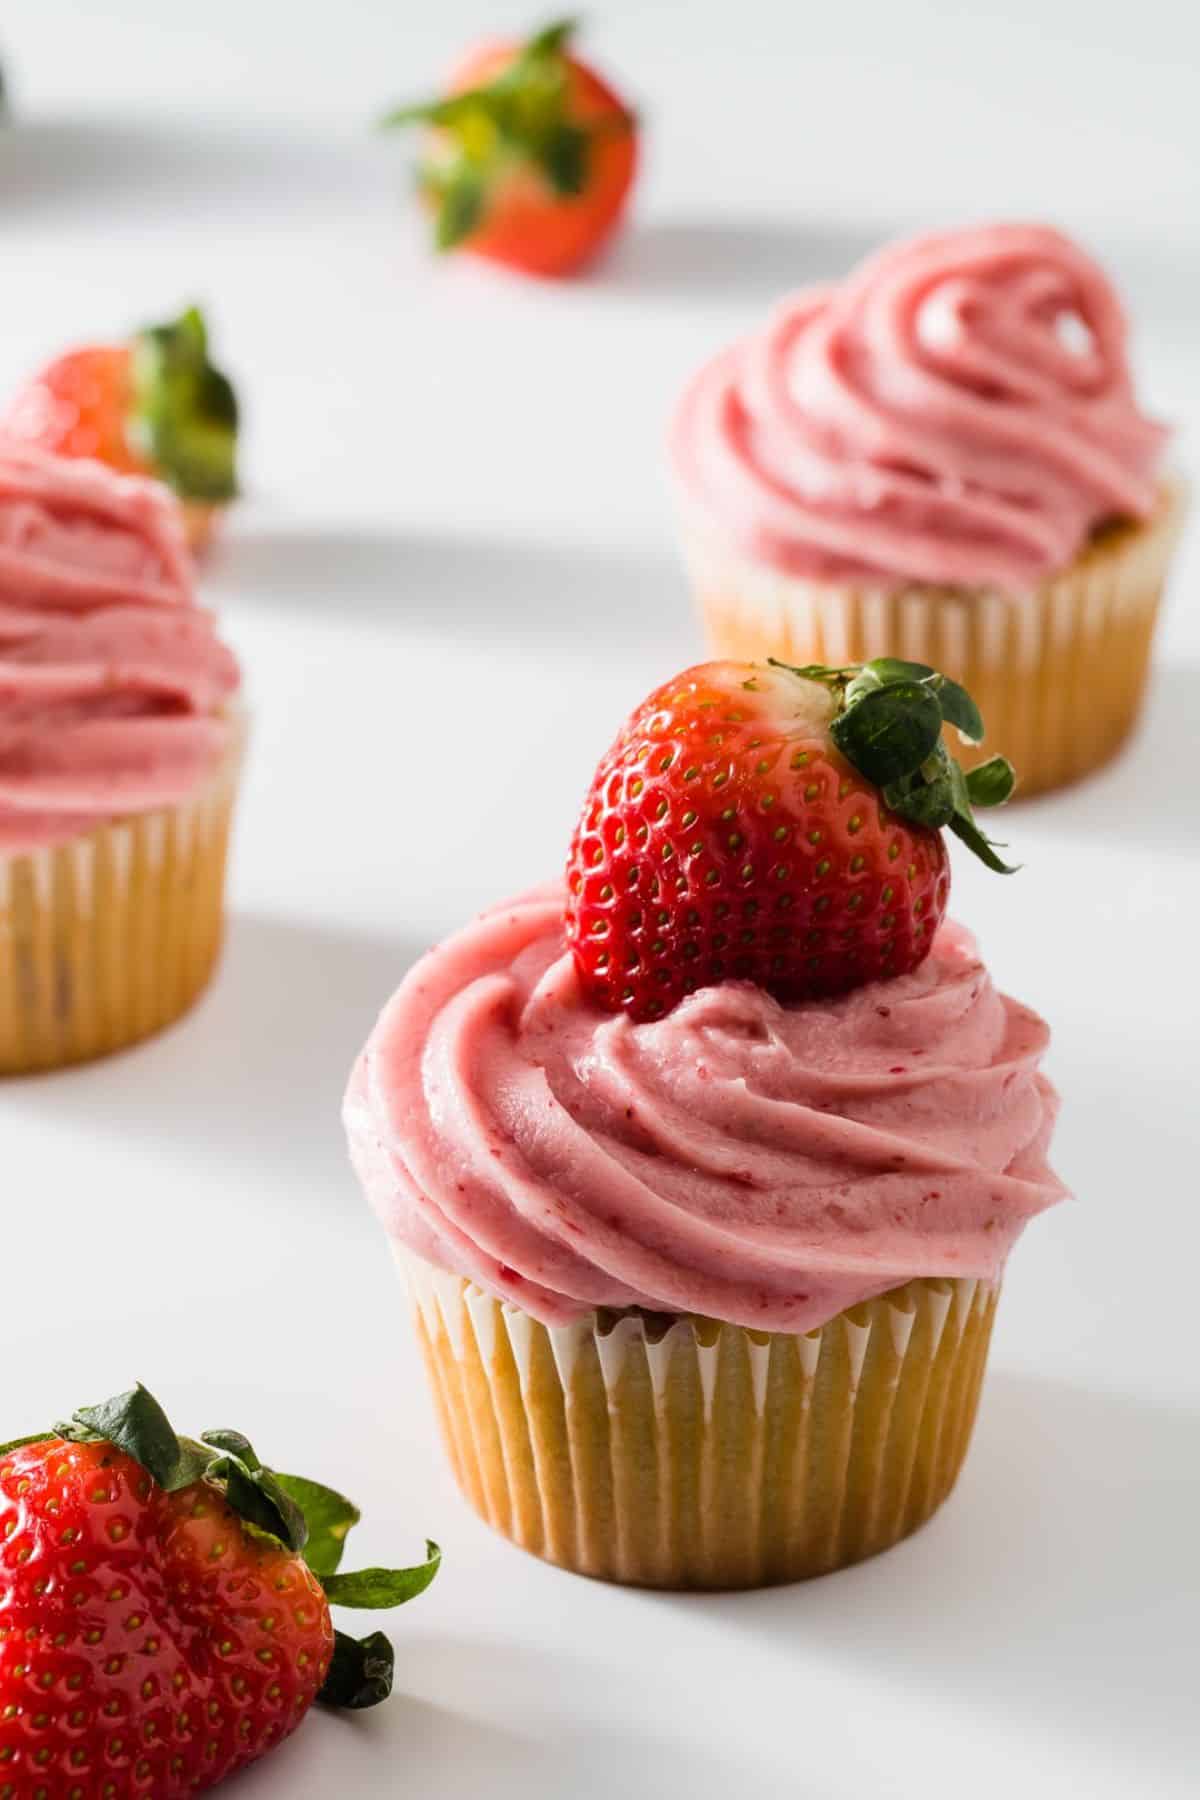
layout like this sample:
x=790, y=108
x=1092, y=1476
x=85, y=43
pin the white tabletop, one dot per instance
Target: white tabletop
x=452, y=574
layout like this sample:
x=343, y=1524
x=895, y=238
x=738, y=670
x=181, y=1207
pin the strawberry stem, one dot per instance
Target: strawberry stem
x=889, y=727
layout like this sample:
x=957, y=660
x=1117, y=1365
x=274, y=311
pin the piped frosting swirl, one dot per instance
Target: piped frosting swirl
x=763, y=1164
x=958, y=411
x=113, y=683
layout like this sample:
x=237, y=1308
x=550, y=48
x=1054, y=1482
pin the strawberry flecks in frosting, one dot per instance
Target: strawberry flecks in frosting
x=113, y=683
x=763, y=1164
x=958, y=411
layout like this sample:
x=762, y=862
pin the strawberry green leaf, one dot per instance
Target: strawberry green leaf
x=991, y=783
x=39, y=1437
x=927, y=803
x=445, y=114
x=891, y=668
x=564, y=158
x=135, y=1423
x=968, y=831
x=257, y=1497
x=361, y=1673
x=461, y=201
x=963, y=825
x=234, y=1444
x=376, y=1588
x=890, y=731
x=884, y=671
x=184, y=415
x=552, y=39
x=330, y=1518
x=958, y=708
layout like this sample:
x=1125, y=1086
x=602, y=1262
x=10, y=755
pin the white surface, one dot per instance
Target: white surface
x=452, y=575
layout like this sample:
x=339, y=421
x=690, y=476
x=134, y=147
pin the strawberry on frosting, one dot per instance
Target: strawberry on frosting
x=114, y=686
x=739, y=1064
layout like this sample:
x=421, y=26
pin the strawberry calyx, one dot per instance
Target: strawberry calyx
x=889, y=726
x=183, y=417
x=521, y=119
x=302, y=1515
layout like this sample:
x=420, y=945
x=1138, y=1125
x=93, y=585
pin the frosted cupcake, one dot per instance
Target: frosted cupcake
x=120, y=739
x=941, y=459
x=704, y=1168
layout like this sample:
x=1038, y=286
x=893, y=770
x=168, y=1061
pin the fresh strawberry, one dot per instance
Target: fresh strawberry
x=159, y=1624
x=773, y=825
x=531, y=156
x=154, y=406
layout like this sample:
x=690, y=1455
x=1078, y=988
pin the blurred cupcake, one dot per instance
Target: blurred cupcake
x=705, y=1279
x=120, y=740
x=941, y=459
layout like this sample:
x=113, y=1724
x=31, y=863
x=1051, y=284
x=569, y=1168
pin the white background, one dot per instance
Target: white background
x=452, y=574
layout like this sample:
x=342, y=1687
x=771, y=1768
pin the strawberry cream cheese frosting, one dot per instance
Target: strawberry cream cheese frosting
x=113, y=684
x=958, y=411
x=764, y=1164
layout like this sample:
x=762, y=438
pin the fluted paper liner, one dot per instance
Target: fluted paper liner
x=693, y=1454
x=1058, y=672
x=112, y=935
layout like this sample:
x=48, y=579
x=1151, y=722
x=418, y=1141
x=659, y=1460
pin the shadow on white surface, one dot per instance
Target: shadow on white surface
x=475, y=590
x=1057, y=1586
x=721, y=259
x=1138, y=798
x=432, y=1747
x=90, y=167
x=255, y=1073
x=461, y=1743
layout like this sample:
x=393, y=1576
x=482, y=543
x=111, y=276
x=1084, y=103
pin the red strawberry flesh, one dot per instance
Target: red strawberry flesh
x=147, y=1645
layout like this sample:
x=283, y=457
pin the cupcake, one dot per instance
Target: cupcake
x=704, y=1167
x=120, y=739
x=941, y=459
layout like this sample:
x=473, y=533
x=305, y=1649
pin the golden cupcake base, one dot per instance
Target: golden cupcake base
x=110, y=937
x=1058, y=673
x=692, y=1454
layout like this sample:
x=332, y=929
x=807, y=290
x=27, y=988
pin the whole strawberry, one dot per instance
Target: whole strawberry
x=530, y=156
x=153, y=406
x=774, y=825
x=164, y=1607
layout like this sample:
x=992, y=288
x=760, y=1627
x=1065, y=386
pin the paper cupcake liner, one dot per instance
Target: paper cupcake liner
x=693, y=1454
x=1058, y=672
x=111, y=936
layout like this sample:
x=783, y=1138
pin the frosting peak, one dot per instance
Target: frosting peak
x=112, y=680
x=958, y=411
x=764, y=1164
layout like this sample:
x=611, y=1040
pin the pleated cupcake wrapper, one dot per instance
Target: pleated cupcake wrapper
x=1058, y=672
x=696, y=1454
x=111, y=936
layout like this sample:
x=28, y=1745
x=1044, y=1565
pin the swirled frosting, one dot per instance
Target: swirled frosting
x=762, y=1164
x=113, y=683
x=958, y=411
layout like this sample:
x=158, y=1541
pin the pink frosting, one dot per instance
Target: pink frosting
x=763, y=1164
x=113, y=684
x=958, y=411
